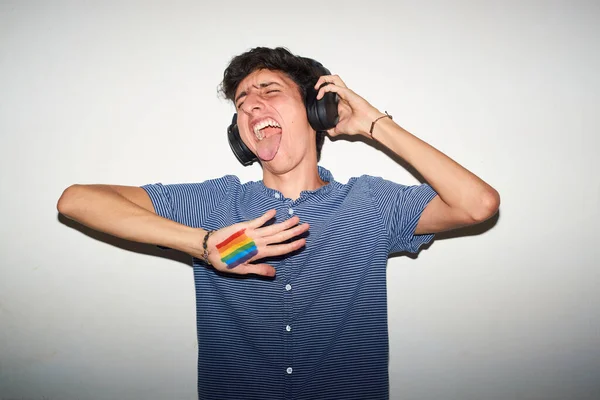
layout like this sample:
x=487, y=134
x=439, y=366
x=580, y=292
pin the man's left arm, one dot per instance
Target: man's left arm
x=462, y=197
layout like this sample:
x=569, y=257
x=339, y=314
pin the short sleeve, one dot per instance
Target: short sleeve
x=400, y=208
x=189, y=203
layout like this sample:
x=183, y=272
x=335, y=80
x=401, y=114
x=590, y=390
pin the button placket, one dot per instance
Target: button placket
x=288, y=211
x=287, y=338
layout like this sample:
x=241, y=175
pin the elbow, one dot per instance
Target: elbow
x=66, y=202
x=488, y=205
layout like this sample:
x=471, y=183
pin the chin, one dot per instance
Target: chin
x=279, y=165
x=283, y=163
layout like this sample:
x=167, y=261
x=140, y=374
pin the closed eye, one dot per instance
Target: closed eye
x=243, y=94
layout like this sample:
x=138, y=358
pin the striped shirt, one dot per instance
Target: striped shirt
x=318, y=330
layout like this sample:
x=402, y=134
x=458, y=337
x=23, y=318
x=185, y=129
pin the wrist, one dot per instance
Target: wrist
x=189, y=240
x=378, y=120
x=205, y=247
x=371, y=115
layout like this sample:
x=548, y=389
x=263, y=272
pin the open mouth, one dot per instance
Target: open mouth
x=268, y=135
x=265, y=128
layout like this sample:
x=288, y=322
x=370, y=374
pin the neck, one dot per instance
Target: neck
x=292, y=183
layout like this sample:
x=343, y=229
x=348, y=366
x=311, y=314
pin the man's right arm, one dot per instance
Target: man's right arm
x=127, y=212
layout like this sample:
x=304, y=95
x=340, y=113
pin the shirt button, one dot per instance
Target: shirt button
x=288, y=287
x=277, y=196
x=289, y=370
x=288, y=328
x=291, y=211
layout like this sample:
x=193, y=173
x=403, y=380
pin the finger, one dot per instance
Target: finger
x=338, y=81
x=258, y=269
x=276, y=228
x=323, y=79
x=341, y=91
x=285, y=235
x=280, y=249
x=335, y=79
x=263, y=219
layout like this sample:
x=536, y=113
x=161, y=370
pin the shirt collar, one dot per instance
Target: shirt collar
x=325, y=175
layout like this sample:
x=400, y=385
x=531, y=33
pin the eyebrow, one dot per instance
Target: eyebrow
x=262, y=85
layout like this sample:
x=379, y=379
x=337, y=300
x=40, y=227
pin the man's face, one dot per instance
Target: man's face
x=272, y=120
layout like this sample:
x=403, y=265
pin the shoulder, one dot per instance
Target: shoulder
x=187, y=194
x=222, y=184
x=191, y=203
x=387, y=194
x=369, y=183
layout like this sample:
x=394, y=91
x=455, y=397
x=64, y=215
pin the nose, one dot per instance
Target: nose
x=252, y=103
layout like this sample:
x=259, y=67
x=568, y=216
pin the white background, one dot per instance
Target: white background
x=126, y=93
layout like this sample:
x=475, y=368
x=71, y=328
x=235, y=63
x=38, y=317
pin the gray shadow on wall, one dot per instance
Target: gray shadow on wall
x=456, y=233
x=135, y=247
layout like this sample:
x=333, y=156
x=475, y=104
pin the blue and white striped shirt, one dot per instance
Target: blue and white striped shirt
x=318, y=330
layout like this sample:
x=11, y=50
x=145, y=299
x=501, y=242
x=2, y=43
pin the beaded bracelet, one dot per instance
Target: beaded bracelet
x=373, y=123
x=204, y=245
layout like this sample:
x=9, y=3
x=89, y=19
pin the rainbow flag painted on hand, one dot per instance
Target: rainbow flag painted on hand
x=237, y=249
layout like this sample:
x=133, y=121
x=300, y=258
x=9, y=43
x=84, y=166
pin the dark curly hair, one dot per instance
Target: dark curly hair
x=303, y=71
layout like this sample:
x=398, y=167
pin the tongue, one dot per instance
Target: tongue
x=268, y=147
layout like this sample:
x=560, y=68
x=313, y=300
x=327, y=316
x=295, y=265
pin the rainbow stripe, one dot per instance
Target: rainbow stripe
x=237, y=249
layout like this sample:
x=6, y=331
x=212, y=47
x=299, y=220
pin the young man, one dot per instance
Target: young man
x=311, y=320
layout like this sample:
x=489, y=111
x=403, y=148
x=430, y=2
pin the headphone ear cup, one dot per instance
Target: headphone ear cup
x=239, y=148
x=322, y=114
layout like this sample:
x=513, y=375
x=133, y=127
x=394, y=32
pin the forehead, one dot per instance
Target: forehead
x=262, y=76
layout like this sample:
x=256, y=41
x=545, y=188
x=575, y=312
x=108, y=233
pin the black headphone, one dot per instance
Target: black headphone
x=322, y=115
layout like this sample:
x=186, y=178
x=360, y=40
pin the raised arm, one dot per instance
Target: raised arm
x=463, y=198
